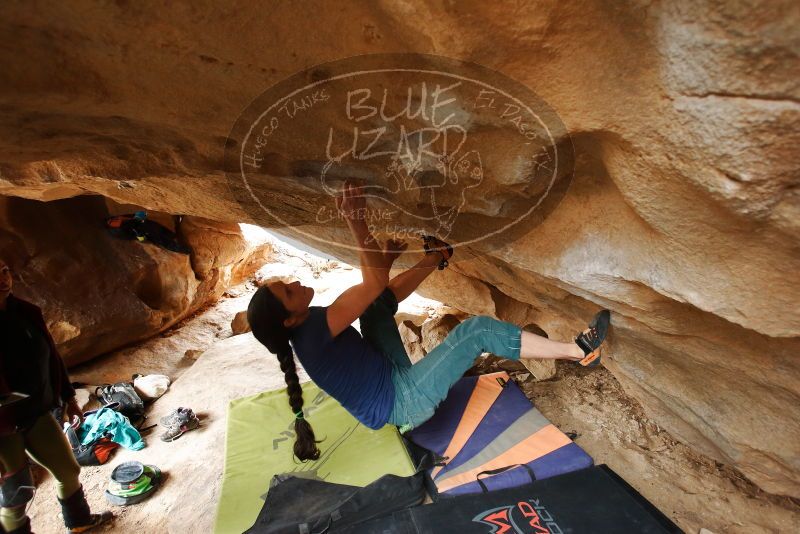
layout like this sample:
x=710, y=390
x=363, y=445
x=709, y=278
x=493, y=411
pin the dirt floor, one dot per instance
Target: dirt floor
x=696, y=492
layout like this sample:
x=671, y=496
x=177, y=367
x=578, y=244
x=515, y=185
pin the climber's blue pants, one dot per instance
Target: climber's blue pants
x=419, y=388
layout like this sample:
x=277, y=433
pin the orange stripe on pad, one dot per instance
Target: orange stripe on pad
x=537, y=445
x=486, y=391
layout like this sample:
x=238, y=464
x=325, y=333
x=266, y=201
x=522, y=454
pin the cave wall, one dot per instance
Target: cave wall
x=682, y=217
x=98, y=292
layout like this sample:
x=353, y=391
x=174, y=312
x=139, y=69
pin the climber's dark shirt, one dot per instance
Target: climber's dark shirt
x=29, y=362
x=346, y=367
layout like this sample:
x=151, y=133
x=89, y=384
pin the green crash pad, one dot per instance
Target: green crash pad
x=259, y=444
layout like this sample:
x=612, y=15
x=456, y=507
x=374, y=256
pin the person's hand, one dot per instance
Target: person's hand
x=72, y=410
x=393, y=249
x=351, y=203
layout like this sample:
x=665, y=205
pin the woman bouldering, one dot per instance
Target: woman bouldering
x=370, y=373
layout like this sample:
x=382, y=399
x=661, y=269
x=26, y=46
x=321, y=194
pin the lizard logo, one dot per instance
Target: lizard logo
x=439, y=147
x=525, y=517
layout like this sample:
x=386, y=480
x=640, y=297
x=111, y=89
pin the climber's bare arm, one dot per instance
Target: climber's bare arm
x=351, y=304
x=375, y=263
x=353, y=207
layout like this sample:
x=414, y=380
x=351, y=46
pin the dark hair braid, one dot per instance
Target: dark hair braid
x=266, y=315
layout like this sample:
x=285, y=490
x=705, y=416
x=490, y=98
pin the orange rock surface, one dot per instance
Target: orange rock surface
x=682, y=217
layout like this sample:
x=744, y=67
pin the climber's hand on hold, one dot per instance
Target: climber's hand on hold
x=374, y=263
x=352, y=204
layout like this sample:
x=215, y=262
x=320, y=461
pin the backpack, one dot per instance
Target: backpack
x=329, y=507
x=96, y=453
x=129, y=403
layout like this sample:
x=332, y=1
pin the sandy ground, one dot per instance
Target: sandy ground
x=693, y=490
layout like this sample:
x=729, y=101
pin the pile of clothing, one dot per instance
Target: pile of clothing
x=101, y=433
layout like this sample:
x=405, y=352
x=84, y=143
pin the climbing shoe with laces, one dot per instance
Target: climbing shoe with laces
x=177, y=415
x=590, y=339
x=178, y=423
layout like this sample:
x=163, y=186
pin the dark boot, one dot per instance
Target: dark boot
x=77, y=516
x=24, y=529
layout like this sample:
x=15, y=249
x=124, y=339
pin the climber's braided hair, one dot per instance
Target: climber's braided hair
x=266, y=315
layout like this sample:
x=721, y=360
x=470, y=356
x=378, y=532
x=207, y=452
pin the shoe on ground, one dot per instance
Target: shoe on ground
x=96, y=521
x=178, y=415
x=179, y=428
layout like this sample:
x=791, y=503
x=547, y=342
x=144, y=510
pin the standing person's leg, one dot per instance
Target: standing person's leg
x=16, y=475
x=47, y=446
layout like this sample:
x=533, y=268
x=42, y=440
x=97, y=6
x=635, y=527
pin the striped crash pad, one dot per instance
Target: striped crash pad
x=487, y=429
